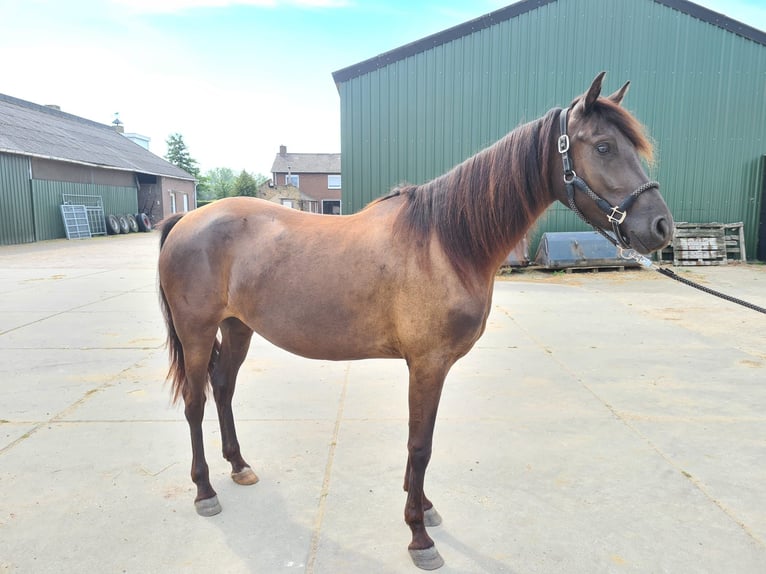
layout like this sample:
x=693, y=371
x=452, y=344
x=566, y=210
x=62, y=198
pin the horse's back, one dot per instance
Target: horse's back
x=321, y=286
x=303, y=281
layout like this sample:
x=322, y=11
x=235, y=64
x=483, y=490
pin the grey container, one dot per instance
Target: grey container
x=568, y=249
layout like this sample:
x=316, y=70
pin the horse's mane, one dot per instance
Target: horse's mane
x=490, y=200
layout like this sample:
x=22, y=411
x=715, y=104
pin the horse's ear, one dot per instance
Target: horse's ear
x=619, y=95
x=593, y=93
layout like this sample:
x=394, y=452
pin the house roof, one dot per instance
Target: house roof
x=41, y=131
x=514, y=10
x=306, y=163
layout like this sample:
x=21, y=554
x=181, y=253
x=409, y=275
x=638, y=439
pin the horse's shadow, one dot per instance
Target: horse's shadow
x=264, y=543
x=267, y=534
x=449, y=545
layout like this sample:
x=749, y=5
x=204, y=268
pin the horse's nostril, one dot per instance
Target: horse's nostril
x=663, y=228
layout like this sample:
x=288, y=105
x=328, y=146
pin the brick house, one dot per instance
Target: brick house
x=307, y=181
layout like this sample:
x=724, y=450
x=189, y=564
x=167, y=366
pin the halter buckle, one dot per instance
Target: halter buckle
x=564, y=144
x=616, y=216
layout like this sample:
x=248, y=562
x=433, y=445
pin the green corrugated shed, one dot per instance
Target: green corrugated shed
x=45, y=153
x=698, y=84
x=47, y=197
x=29, y=209
x=16, y=218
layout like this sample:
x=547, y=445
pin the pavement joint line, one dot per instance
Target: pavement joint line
x=58, y=417
x=65, y=311
x=710, y=419
x=698, y=484
x=94, y=421
x=37, y=280
x=317, y=529
x=155, y=348
x=212, y=419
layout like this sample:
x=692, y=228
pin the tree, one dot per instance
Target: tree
x=220, y=182
x=203, y=187
x=245, y=184
x=178, y=155
x=260, y=179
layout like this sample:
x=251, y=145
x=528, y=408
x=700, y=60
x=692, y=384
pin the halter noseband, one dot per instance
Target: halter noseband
x=615, y=215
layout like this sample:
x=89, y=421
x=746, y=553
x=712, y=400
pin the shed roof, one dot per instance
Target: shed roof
x=30, y=129
x=509, y=12
x=306, y=163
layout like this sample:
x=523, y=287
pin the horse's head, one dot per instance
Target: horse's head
x=601, y=146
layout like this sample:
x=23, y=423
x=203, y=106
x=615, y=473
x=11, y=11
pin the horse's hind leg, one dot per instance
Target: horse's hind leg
x=197, y=358
x=235, y=342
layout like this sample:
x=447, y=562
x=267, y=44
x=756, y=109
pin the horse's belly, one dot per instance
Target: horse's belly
x=333, y=343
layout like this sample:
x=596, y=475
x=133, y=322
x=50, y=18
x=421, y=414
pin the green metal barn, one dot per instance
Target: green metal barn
x=49, y=158
x=698, y=84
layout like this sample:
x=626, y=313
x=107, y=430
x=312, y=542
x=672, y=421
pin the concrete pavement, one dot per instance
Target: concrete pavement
x=609, y=422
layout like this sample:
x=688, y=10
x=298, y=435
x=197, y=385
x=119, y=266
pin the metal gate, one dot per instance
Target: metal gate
x=94, y=208
x=75, y=221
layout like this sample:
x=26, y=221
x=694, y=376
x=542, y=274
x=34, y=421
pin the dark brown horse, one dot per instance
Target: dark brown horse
x=408, y=277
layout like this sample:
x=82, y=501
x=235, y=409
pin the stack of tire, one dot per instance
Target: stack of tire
x=116, y=224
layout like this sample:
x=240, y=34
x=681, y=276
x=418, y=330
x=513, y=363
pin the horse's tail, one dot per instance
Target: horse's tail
x=177, y=370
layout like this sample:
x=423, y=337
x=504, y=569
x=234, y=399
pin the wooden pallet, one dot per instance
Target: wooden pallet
x=705, y=244
x=699, y=244
x=734, y=235
x=594, y=269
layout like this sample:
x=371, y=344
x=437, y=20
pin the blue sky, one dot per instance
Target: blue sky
x=237, y=78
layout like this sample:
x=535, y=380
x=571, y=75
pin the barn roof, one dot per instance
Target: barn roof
x=41, y=131
x=514, y=10
x=306, y=163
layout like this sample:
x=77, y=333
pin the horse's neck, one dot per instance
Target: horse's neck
x=481, y=209
x=520, y=186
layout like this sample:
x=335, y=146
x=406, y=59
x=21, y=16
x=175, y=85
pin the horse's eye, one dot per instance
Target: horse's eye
x=602, y=148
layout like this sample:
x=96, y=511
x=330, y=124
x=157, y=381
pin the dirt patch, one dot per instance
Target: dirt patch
x=575, y=276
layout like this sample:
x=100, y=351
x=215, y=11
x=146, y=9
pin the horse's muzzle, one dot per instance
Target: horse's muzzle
x=657, y=235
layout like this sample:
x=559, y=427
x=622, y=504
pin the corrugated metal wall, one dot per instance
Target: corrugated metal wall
x=16, y=222
x=47, y=196
x=700, y=89
x=29, y=208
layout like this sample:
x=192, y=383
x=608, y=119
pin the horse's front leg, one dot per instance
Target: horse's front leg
x=431, y=516
x=235, y=343
x=426, y=381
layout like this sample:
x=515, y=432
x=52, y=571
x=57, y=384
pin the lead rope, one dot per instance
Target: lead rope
x=648, y=264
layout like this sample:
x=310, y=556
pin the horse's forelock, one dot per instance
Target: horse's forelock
x=624, y=121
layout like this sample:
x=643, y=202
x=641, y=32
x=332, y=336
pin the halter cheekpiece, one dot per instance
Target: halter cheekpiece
x=615, y=214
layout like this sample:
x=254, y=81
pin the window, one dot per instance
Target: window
x=172, y=202
x=333, y=182
x=331, y=206
x=287, y=203
x=186, y=202
x=292, y=179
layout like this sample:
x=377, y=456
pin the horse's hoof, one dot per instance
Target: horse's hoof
x=431, y=517
x=245, y=476
x=427, y=558
x=208, y=506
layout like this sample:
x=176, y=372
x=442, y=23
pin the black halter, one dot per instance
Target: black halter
x=615, y=215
